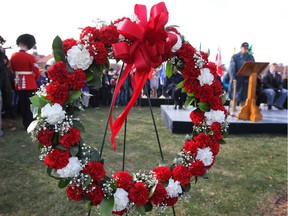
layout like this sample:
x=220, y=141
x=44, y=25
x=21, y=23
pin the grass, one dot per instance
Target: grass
x=249, y=172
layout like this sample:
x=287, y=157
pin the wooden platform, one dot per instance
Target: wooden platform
x=274, y=122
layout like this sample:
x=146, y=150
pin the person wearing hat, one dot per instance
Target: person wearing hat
x=26, y=71
x=236, y=63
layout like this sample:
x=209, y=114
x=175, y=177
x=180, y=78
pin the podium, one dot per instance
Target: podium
x=250, y=111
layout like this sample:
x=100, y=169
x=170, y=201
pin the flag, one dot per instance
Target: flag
x=234, y=51
x=219, y=62
x=250, y=50
x=162, y=72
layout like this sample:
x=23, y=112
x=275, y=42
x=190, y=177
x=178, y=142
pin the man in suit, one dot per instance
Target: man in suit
x=272, y=88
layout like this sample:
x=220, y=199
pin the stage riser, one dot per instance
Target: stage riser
x=178, y=122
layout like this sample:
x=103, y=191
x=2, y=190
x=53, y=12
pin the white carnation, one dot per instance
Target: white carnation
x=205, y=155
x=71, y=169
x=174, y=188
x=205, y=77
x=178, y=44
x=53, y=114
x=214, y=116
x=79, y=57
x=120, y=199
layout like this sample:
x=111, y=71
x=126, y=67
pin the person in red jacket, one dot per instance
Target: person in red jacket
x=26, y=72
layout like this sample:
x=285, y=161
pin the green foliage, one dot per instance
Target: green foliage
x=73, y=95
x=63, y=183
x=141, y=210
x=205, y=107
x=39, y=101
x=169, y=69
x=106, y=207
x=58, y=51
x=188, y=101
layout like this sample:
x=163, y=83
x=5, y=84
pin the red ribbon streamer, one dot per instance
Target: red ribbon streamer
x=148, y=46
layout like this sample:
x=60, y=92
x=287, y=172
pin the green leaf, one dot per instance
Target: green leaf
x=208, y=52
x=224, y=98
x=222, y=141
x=95, y=156
x=225, y=134
x=188, y=137
x=97, y=73
x=188, y=101
x=191, y=94
x=106, y=207
x=77, y=124
x=87, y=181
x=180, y=84
x=51, y=173
x=187, y=187
x=205, y=176
x=39, y=101
x=73, y=95
x=74, y=150
x=148, y=207
x=183, y=90
x=58, y=51
x=152, y=190
x=203, y=106
x=141, y=210
x=169, y=70
x=61, y=147
x=63, y=183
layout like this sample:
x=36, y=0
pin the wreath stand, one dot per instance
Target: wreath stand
x=125, y=132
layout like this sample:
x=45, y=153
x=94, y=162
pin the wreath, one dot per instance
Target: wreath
x=141, y=45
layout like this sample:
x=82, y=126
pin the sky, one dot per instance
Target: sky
x=214, y=24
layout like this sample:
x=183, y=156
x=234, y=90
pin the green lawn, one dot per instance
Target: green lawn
x=249, y=174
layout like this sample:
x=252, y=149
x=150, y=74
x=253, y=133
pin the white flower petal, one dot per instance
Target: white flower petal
x=32, y=126
x=205, y=155
x=205, y=77
x=71, y=169
x=174, y=188
x=79, y=58
x=53, y=114
x=120, y=199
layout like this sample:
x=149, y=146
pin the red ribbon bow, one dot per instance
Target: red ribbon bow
x=148, y=43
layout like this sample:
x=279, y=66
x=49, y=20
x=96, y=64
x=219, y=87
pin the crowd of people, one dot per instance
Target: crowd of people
x=20, y=77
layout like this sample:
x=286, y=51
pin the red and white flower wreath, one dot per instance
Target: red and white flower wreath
x=77, y=166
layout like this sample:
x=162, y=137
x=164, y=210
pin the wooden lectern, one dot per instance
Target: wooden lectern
x=250, y=111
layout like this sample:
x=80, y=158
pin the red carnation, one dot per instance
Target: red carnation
x=74, y=192
x=139, y=193
x=90, y=34
x=57, y=158
x=68, y=44
x=202, y=139
x=205, y=93
x=215, y=127
x=123, y=180
x=119, y=212
x=71, y=138
x=217, y=87
x=204, y=56
x=192, y=85
x=77, y=79
x=181, y=173
x=45, y=137
x=96, y=170
x=95, y=193
x=57, y=93
x=186, y=52
x=197, y=168
x=170, y=201
x=159, y=195
x=108, y=35
x=216, y=103
x=99, y=52
x=197, y=117
x=163, y=173
x=215, y=147
x=191, y=146
x=58, y=72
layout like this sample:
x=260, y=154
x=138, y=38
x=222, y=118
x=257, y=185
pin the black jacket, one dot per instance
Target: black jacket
x=272, y=82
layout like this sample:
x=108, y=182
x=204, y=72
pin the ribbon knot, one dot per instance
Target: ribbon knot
x=144, y=51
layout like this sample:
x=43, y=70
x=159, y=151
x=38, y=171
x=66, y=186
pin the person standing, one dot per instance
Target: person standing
x=273, y=88
x=236, y=63
x=26, y=71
